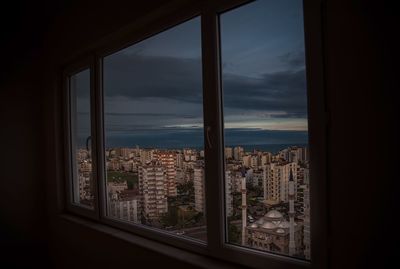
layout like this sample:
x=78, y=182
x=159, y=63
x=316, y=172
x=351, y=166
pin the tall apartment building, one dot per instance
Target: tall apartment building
x=228, y=153
x=190, y=155
x=238, y=153
x=126, y=152
x=122, y=204
x=266, y=158
x=306, y=232
x=167, y=159
x=152, y=188
x=146, y=155
x=294, y=154
x=124, y=210
x=254, y=161
x=276, y=187
x=179, y=160
x=228, y=194
x=301, y=189
x=246, y=159
x=84, y=192
x=199, y=189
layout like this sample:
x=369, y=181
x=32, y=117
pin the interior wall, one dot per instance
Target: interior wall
x=362, y=136
x=22, y=196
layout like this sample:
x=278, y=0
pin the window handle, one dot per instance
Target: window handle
x=87, y=142
x=208, y=130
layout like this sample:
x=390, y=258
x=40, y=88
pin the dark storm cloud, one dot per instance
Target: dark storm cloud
x=282, y=91
x=163, y=115
x=294, y=59
x=136, y=76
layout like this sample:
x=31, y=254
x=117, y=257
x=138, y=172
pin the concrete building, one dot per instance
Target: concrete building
x=199, y=189
x=246, y=160
x=190, y=155
x=228, y=194
x=307, y=229
x=126, y=209
x=266, y=158
x=167, y=159
x=179, y=160
x=113, y=188
x=238, y=153
x=257, y=177
x=254, y=161
x=146, y=155
x=84, y=193
x=153, y=190
x=276, y=185
x=228, y=153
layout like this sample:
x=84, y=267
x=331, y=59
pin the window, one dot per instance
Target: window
x=153, y=126
x=194, y=131
x=82, y=184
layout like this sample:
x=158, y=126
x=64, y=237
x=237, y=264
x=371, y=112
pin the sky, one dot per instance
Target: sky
x=153, y=89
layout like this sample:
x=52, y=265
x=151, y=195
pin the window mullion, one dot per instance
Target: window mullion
x=212, y=130
x=93, y=121
x=100, y=136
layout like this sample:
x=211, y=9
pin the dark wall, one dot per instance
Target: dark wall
x=362, y=136
x=23, y=234
x=360, y=85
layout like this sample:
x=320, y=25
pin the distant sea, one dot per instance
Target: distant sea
x=273, y=148
x=271, y=141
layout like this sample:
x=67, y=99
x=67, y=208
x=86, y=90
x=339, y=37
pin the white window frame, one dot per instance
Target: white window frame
x=216, y=246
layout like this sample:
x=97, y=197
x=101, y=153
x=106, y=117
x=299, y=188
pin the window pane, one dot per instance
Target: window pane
x=266, y=134
x=82, y=184
x=154, y=132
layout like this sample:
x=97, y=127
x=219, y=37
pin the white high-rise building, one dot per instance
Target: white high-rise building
x=266, y=158
x=246, y=160
x=199, y=189
x=84, y=191
x=179, y=160
x=307, y=238
x=124, y=210
x=228, y=153
x=254, y=161
x=292, y=241
x=167, y=159
x=153, y=189
x=146, y=155
x=244, y=207
x=238, y=153
x=276, y=187
x=228, y=194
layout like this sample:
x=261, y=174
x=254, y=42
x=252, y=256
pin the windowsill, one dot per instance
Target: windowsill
x=169, y=251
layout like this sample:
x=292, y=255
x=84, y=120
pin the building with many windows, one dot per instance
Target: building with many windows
x=199, y=189
x=153, y=190
x=276, y=181
x=167, y=159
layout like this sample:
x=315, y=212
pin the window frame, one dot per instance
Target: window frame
x=216, y=246
x=84, y=63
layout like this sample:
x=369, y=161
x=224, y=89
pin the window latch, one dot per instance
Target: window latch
x=87, y=142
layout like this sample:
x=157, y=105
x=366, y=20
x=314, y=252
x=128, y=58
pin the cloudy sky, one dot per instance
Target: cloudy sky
x=153, y=89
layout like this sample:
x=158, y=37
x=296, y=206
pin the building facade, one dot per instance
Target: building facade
x=153, y=190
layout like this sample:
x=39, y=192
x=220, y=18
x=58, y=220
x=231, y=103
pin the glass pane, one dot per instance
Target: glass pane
x=82, y=184
x=266, y=133
x=154, y=132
